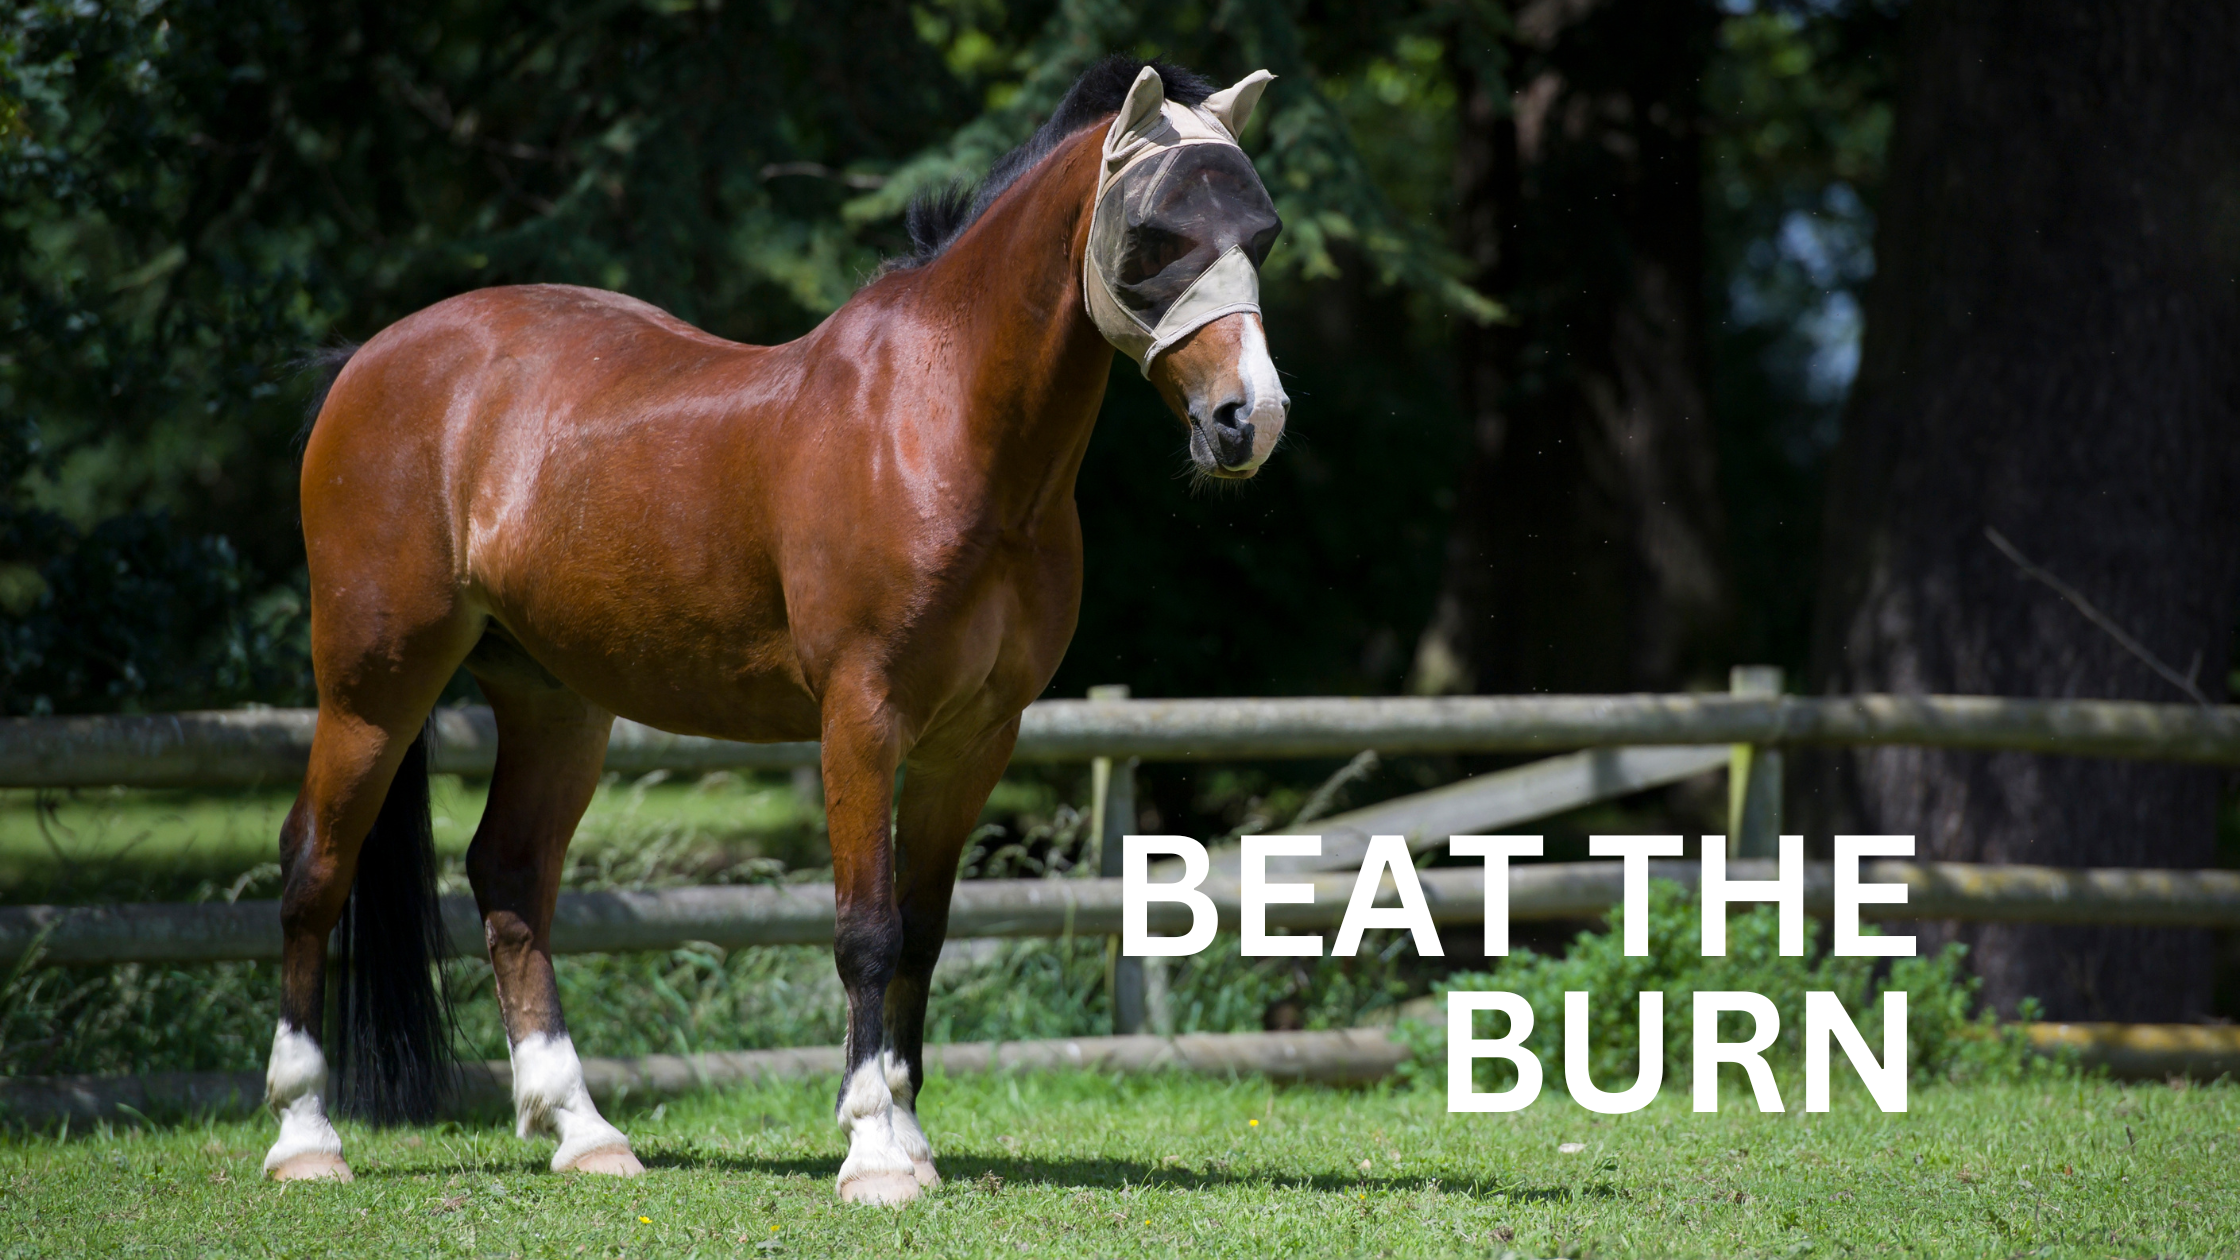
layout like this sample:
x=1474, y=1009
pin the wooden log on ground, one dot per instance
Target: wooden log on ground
x=84, y=1100
x=2145, y=1052
x=269, y=746
x=1350, y=1056
x=736, y=916
x=2127, y=1051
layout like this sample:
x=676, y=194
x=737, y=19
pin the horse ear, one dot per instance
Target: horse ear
x=1232, y=105
x=1145, y=96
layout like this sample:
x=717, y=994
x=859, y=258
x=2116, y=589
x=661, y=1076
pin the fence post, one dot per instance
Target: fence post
x=1754, y=776
x=1112, y=814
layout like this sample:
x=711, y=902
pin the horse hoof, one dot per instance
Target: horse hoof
x=607, y=1161
x=311, y=1166
x=887, y=1189
x=923, y=1170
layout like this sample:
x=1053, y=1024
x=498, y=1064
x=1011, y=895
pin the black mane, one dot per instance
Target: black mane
x=934, y=221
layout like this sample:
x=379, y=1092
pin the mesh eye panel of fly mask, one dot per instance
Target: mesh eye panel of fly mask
x=1181, y=221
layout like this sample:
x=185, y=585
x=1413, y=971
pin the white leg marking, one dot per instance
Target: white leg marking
x=549, y=1096
x=878, y=1169
x=295, y=1087
x=906, y=1129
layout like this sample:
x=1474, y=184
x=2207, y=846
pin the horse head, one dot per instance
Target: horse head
x=1178, y=230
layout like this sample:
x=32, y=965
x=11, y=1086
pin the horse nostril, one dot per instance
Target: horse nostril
x=1234, y=446
x=1229, y=435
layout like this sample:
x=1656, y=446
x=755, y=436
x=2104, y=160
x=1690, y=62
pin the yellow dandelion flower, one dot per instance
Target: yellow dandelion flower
x=645, y=1220
x=1254, y=1123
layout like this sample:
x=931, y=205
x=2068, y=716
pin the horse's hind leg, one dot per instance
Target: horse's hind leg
x=351, y=767
x=551, y=743
x=361, y=740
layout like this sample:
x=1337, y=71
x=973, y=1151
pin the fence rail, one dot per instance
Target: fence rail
x=1629, y=742
x=799, y=914
x=2127, y=1051
x=269, y=746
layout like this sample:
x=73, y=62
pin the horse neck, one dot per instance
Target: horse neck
x=1033, y=366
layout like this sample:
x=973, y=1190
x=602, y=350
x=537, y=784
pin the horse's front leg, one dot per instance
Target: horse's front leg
x=860, y=755
x=939, y=806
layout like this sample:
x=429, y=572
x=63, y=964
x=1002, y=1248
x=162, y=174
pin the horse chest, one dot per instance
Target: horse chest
x=1001, y=606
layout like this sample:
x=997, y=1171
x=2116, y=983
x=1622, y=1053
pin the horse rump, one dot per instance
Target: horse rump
x=393, y=1044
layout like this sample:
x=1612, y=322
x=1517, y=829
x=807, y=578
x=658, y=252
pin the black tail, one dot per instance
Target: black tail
x=323, y=366
x=393, y=1048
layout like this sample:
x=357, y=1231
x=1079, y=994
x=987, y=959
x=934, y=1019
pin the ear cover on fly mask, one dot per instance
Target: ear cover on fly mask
x=1173, y=175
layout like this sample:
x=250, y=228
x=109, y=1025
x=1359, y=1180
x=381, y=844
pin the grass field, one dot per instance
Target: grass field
x=1082, y=1165
x=2038, y=1162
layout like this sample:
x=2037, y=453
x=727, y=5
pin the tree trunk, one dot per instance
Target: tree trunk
x=1588, y=546
x=2050, y=352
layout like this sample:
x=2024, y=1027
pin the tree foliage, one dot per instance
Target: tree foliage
x=196, y=192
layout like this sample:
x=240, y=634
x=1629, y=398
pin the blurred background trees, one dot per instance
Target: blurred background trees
x=2051, y=379
x=197, y=192
x=1592, y=439
x=1571, y=300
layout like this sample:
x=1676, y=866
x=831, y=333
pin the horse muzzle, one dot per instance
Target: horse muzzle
x=1235, y=441
x=1232, y=399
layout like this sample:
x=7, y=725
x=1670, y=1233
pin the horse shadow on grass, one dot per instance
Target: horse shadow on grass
x=998, y=1173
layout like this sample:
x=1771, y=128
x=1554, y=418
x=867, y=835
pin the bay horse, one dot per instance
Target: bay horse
x=866, y=536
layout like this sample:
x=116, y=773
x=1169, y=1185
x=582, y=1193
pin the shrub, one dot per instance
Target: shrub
x=1950, y=1034
x=136, y=614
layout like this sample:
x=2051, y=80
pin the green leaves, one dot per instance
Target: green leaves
x=1301, y=142
x=1077, y=33
x=1321, y=185
x=137, y=614
x=194, y=193
x=1949, y=1038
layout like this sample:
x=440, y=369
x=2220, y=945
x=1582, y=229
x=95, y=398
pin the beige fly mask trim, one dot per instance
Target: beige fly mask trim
x=1175, y=187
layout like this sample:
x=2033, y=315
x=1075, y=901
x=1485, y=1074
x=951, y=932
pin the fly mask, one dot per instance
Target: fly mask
x=1181, y=221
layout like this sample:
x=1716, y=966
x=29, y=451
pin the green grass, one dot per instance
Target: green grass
x=1070, y=1164
x=1082, y=1165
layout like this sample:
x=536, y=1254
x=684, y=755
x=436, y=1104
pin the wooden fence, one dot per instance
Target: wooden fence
x=1629, y=743
x=737, y=916
x=239, y=748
